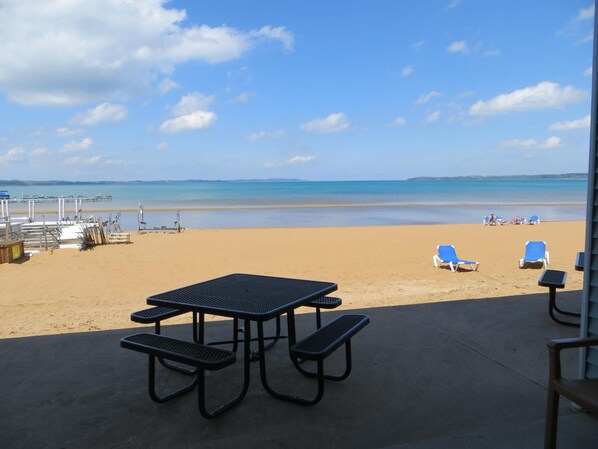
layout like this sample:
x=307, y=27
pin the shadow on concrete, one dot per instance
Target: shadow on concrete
x=459, y=374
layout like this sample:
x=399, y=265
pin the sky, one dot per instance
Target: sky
x=119, y=90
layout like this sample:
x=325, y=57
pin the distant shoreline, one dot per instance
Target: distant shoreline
x=564, y=176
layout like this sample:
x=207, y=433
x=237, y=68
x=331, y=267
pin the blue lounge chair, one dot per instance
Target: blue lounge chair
x=533, y=220
x=535, y=252
x=448, y=255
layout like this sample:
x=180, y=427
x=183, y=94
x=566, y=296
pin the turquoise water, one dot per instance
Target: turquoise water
x=226, y=204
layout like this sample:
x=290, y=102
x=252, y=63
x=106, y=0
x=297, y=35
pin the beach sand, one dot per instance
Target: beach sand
x=75, y=291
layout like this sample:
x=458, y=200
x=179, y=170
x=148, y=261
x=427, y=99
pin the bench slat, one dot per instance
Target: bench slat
x=193, y=354
x=154, y=314
x=327, y=339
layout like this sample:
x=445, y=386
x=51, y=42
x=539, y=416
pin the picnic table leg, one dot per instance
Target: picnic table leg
x=172, y=366
x=201, y=391
x=552, y=307
x=264, y=377
x=291, y=328
x=152, y=384
x=348, y=366
x=199, y=326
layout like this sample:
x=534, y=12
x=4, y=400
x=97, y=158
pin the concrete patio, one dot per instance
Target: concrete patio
x=465, y=374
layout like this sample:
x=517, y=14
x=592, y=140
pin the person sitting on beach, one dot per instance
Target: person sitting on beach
x=492, y=220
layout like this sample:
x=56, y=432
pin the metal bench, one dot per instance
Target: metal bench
x=583, y=392
x=156, y=315
x=202, y=357
x=325, y=302
x=320, y=345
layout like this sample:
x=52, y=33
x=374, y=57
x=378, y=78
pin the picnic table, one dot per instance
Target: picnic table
x=250, y=298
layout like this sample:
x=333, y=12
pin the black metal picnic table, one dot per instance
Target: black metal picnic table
x=554, y=279
x=250, y=298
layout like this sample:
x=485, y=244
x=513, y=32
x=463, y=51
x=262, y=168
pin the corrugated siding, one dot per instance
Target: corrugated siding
x=589, y=320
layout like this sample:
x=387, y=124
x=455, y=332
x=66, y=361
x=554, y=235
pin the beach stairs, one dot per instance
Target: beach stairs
x=38, y=236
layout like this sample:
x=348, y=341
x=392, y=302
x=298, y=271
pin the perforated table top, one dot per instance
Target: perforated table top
x=553, y=278
x=245, y=296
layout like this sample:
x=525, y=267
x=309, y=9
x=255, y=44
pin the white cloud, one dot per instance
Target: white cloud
x=241, y=98
x=544, y=95
x=276, y=33
x=162, y=146
x=453, y=4
x=103, y=113
x=400, y=121
x=295, y=160
x=433, y=116
x=195, y=101
x=466, y=93
x=300, y=160
x=458, y=47
x=254, y=137
x=408, y=70
x=78, y=160
x=40, y=151
x=586, y=13
x=588, y=38
x=551, y=142
x=191, y=114
x=332, y=124
x=167, y=85
x=59, y=52
x=12, y=155
x=588, y=71
x=189, y=122
x=494, y=52
x=572, y=124
x=67, y=132
x=259, y=135
x=423, y=99
x=76, y=146
x=418, y=45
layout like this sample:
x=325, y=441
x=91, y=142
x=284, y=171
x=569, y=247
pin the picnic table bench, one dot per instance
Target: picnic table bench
x=317, y=346
x=202, y=357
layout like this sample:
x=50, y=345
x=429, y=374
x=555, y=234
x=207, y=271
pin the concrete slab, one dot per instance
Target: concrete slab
x=452, y=375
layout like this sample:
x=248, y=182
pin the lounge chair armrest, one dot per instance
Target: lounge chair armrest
x=556, y=346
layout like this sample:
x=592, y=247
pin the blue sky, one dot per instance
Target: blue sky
x=315, y=90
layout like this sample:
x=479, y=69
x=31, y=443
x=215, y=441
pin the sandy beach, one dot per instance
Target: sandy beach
x=76, y=291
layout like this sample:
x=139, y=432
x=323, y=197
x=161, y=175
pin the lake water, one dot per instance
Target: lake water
x=231, y=204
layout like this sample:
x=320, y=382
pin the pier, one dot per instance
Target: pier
x=65, y=232
x=53, y=199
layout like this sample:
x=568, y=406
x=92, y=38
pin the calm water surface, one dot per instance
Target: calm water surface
x=230, y=204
